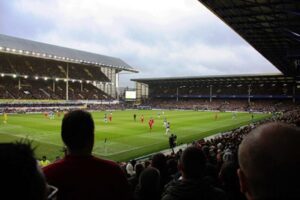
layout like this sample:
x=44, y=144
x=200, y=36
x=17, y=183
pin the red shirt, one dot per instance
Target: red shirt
x=87, y=178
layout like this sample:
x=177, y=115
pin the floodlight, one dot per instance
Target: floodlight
x=55, y=56
x=44, y=55
x=14, y=75
x=7, y=49
x=56, y=79
x=73, y=81
x=33, y=53
x=46, y=78
x=27, y=52
x=2, y=75
x=38, y=54
x=13, y=50
x=65, y=80
x=26, y=76
x=87, y=81
x=20, y=51
x=1, y=48
x=36, y=78
x=80, y=81
x=63, y=58
x=284, y=84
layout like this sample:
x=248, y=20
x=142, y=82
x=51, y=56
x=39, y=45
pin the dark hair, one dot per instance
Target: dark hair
x=77, y=129
x=159, y=161
x=193, y=162
x=19, y=172
x=149, y=182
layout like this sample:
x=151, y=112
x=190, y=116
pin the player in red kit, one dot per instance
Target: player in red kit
x=151, y=122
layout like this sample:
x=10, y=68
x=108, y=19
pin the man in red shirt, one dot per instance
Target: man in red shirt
x=151, y=122
x=80, y=175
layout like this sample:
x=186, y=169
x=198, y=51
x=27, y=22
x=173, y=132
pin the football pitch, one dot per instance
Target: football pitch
x=123, y=138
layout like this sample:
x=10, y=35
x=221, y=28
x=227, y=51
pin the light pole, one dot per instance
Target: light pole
x=177, y=91
x=249, y=93
x=177, y=95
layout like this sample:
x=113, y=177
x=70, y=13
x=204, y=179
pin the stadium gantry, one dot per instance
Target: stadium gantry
x=35, y=70
x=272, y=28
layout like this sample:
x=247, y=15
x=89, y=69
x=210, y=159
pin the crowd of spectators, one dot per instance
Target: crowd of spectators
x=13, y=64
x=36, y=107
x=221, y=90
x=219, y=172
x=224, y=105
x=206, y=169
x=22, y=88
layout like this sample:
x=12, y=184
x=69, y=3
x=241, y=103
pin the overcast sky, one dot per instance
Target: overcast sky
x=160, y=38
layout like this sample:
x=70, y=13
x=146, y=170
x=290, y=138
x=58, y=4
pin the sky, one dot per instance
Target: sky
x=160, y=38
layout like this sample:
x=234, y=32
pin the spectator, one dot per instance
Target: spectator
x=21, y=178
x=193, y=185
x=148, y=187
x=44, y=162
x=80, y=175
x=129, y=170
x=133, y=181
x=159, y=161
x=269, y=162
x=147, y=163
x=230, y=181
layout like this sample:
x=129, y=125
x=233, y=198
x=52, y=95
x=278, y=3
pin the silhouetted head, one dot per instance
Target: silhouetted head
x=77, y=132
x=138, y=169
x=21, y=178
x=269, y=162
x=149, y=183
x=159, y=161
x=192, y=163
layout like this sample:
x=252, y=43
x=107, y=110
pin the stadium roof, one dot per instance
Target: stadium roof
x=25, y=47
x=219, y=79
x=272, y=27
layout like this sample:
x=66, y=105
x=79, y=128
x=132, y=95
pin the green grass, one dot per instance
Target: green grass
x=127, y=139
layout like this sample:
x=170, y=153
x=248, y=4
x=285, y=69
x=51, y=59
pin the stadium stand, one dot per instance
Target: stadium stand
x=33, y=70
x=264, y=93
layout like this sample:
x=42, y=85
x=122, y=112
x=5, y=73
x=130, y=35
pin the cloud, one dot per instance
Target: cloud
x=160, y=38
